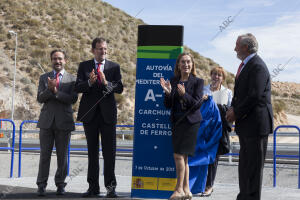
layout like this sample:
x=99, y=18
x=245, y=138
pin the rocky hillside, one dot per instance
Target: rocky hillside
x=44, y=25
x=288, y=96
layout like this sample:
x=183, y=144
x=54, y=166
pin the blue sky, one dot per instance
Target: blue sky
x=275, y=23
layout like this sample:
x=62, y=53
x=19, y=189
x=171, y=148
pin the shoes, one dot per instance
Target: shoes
x=91, y=193
x=111, y=193
x=181, y=196
x=60, y=190
x=188, y=196
x=207, y=192
x=41, y=191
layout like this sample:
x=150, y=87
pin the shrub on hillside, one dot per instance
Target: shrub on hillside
x=55, y=43
x=28, y=69
x=273, y=92
x=38, y=53
x=285, y=94
x=229, y=80
x=5, y=69
x=20, y=12
x=25, y=80
x=22, y=55
x=42, y=43
x=9, y=45
x=3, y=37
x=32, y=22
x=278, y=105
x=120, y=99
x=295, y=96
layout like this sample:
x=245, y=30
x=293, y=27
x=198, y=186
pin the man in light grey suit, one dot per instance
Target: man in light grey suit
x=56, y=92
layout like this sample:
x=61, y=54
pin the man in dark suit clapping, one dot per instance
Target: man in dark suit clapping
x=252, y=112
x=98, y=79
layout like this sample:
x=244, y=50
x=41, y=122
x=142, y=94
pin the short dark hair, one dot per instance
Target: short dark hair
x=58, y=50
x=98, y=40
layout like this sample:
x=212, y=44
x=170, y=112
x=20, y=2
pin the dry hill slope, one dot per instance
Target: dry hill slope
x=44, y=25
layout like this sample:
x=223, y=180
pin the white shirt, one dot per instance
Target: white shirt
x=222, y=96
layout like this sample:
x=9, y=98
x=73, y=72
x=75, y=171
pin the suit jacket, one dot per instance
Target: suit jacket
x=252, y=100
x=193, y=95
x=58, y=106
x=102, y=96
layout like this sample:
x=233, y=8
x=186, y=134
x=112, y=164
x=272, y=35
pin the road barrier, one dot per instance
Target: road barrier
x=12, y=147
x=69, y=147
x=284, y=156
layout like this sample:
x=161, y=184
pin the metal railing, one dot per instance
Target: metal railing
x=284, y=156
x=12, y=147
x=69, y=147
x=20, y=144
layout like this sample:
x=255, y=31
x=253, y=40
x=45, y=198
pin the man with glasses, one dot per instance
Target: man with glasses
x=56, y=92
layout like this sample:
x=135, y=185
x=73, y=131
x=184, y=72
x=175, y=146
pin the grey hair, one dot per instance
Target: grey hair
x=251, y=42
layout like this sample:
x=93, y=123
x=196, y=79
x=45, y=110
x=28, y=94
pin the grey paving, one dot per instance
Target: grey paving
x=226, y=187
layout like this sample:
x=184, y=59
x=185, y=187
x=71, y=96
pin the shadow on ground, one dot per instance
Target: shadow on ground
x=12, y=192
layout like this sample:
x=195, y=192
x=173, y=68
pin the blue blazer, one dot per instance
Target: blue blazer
x=193, y=95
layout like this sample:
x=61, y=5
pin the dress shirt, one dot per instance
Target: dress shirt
x=60, y=75
x=101, y=66
x=247, y=59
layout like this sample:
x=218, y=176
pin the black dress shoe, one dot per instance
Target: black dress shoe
x=91, y=193
x=60, y=190
x=41, y=191
x=111, y=194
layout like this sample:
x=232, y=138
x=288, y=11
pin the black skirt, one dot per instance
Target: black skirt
x=184, y=137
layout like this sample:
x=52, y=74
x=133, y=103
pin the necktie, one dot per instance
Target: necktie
x=57, y=80
x=98, y=73
x=239, y=70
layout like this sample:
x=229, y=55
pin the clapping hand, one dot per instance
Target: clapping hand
x=93, y=77
x=103, y=79
x=181, y=89
x=51, y=84
x=166, y=86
